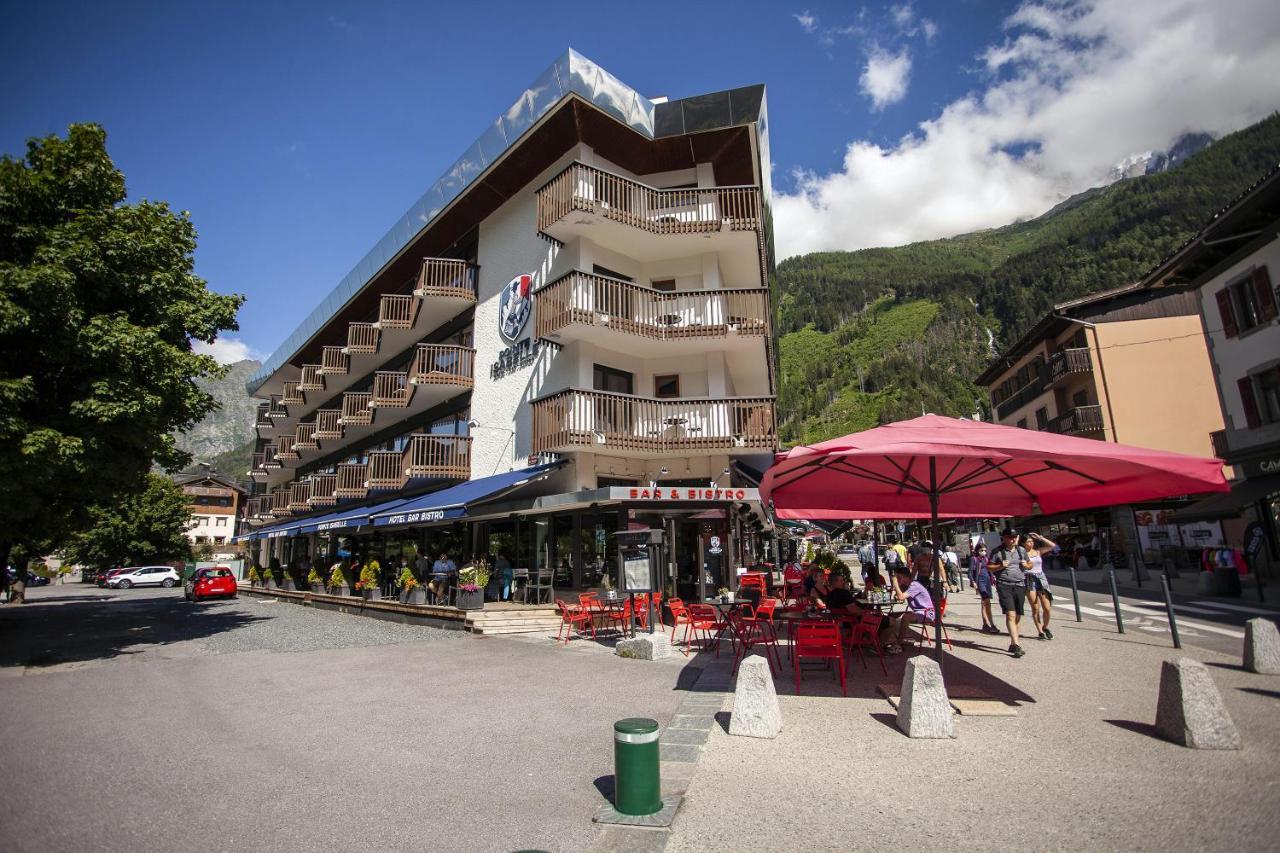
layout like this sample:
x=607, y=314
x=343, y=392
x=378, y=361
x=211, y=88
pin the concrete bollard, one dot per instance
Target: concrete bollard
x=923, y=709
x=1262, y=646
x=755, y=701
x=1190, y=711
x=656, y=646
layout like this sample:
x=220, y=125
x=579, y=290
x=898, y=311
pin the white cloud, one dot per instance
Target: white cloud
x=227, y=350
x=903, y=15
x=885, y=77
x=930, y=28
x=808, y=21
x=1071, y=90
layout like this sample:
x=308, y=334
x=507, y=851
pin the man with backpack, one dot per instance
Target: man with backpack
x=1008, y=564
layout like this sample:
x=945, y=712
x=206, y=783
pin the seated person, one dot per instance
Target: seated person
x=839, y=598
x=812, y=577
x=821, y=585
x=919, y=609
x=874, y=582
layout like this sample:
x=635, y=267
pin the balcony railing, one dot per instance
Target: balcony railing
x=312, y=377
x=446, y=277
x=391, y=390
x=292, y=395
x=1221, y=447
x=328, y=424
x=280, y=501
x=269, y=460
x=276, y=409
x=1078, y=421
x=397, y=312
x=425, y=456
x=322, y=490
x=593, y=300
x=362, y=339
x=284, y=449
x=300, y=496
x=305, y=439
x=352, y=481
x=259, y=508
x=443, y=364
x=385, y=469
x=586, y=419
x=263, y=419
x=355, y=408
x=256, y=464
x=678, y=211
x=1073, y=360
x=334, y=361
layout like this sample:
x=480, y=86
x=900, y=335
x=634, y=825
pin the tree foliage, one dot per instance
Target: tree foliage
x=147, y=526
x=841, y=311
x=99, y=305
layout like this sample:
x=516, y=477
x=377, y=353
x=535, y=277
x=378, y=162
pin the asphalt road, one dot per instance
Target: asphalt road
x=134, y=721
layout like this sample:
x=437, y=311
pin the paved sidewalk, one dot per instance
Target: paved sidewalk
x=1077, y=768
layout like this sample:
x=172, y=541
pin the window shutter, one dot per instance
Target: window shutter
x=1250, y=403
x=1266, y=296
x=1228, y=313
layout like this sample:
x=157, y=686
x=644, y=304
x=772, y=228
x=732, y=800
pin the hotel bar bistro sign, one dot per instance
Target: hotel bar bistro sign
x=515, y=303
x=681, y=493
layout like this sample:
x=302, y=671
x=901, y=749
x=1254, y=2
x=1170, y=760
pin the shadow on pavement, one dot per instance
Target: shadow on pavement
x=1136, y=727
x=605, y=785
x=72, y=630
x=1258, y=691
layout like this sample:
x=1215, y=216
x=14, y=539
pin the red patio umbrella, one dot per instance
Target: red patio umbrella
x=950, y=467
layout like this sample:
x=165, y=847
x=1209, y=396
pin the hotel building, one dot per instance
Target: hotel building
x=570, y=334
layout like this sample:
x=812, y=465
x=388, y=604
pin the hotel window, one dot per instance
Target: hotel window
x=611, y=379
x=666, y=387
x=1042, y=418
x=1260, y=395
x=1246, y=303
x=666, y=285
x=221, y=522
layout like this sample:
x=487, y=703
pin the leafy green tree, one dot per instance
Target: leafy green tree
x=99, y=306
x=142, y=527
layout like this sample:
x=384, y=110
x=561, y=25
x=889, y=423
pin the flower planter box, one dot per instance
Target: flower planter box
x=317, y=589
x=271, y=583
x=404, y=596
x=373, y=595
x=339, y=590
x=417, y=595
x=289, y=585
x=471, y=600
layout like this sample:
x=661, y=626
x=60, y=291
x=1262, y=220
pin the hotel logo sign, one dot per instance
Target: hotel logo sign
x=514, y=305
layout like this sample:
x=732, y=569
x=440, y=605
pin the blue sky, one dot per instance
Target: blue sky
x=297, y=133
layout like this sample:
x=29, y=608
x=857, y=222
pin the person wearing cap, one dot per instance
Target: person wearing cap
x=1009, y=564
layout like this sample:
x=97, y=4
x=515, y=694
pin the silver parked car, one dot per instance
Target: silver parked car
x=164, y=576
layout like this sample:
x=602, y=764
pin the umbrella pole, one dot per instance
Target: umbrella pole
x=937, y=580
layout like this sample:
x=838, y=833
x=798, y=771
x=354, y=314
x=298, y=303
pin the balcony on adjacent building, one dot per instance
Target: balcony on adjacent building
x=1221, y=446
x=323, y=487
x=1081, y=420
x=621, y=423
x=1068, y=361
x=611, y=312
x=647, y=223
x=352, y=481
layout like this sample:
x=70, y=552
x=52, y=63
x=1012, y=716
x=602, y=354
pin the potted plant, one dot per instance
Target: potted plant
x=290, y=578
x=316, y=580
x=723, y=592
x=273, y=572
x=338, y=581
x=254, y=575
x=606, y=583
x=471, y=583
x=368, y=582
x=411, y=592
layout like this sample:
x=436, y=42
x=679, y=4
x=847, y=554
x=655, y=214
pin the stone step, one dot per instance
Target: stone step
x=549, y=630
x=522, y=624
x=482, y=616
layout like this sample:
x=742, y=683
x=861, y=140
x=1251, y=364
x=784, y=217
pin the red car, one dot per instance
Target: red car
x=211, y=583
x=108, y=575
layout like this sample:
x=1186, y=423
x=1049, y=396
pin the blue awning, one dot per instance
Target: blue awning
x=342, y=519
x=452, y=502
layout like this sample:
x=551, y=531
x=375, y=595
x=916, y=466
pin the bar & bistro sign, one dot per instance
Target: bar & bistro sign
x=681, y=493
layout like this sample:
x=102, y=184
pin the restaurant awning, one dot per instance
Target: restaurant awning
x=452, y=503
x=342, y=519
x=1229, y=504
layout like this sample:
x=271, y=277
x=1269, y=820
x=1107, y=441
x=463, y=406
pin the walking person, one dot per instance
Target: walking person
x=867, y=556
x=983, y=583
x=952, y=560
x=1009, y=564
x=1039, y=595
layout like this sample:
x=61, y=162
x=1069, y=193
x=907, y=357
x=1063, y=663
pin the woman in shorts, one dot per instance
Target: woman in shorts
x=1039, y=594
x=983, y=583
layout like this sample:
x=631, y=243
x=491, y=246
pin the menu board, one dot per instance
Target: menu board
x=635, y=571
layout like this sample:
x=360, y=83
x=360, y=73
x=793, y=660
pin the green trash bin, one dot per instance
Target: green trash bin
x=637, y=788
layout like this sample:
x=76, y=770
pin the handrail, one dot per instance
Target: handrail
x=280, y=501
x=335, y=361
x=443, y=364
x=446, y=277
x=396, y=311
x=299, y=496
x=594, y=300
x=305, y=438
x=322, y=489
x=292, y=394
x=269, y=456
x=362, y=339
x=355, y=408
x=328, y=423
x=671, y=211
x=391, y=389
x=431, y=455
x=284, y=448
x=352, y=481
x=312, y=378
x=1070, y=360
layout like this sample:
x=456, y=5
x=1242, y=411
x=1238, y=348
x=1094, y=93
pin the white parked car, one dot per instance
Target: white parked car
x=164, y=576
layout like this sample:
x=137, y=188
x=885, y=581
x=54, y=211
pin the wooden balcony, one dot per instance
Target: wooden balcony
x=1068, y=361
x=443, y=456
x=292, y=395
x=256, y=469
x=280, y=501
x=269, y=460
x=391, y=390
x=696, y=210
x=263, y=419
x=334, y=361
x=1082, y=421
x=362, y=339
x=447, y=278
x=621, y=423
x=300, y=496
x=259, y=508
x=385, y=470
x=305, y=438
x=312, y=378
x=352, y=481
x=587, y=306
x=397, y=312
x=284, y=449
x=323, y=487
x=328, y=424
x=443, y=364
x=1221, y=446
x=355, y=408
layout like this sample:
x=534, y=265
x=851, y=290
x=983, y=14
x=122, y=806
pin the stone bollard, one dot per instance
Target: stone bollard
x=755, y=702
x=1262, y=646
x=923, y=709
x=1190, y=711
x=656, y=646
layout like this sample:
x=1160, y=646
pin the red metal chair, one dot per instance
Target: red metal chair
x=751, y=630
x=705, y=619
x=753, y=580
x=680, y=616
x=926, y=628
x=573, y=617
x=866, y=634
x=820, y=640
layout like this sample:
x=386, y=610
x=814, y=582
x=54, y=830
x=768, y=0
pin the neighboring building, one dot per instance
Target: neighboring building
x=575, y=321
x=217, y=504
x=1233, y=265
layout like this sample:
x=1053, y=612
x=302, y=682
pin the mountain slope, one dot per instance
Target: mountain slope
x=1000, y=280
x=230, y=426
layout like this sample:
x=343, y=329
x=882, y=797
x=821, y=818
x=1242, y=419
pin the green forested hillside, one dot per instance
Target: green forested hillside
x=876, y=335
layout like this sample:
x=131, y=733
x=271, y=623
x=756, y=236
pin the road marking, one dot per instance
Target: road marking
x=1185, y=626
x=1237, y=607
x=1199, y=626
x=1185, y=608
x=1083, y=609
